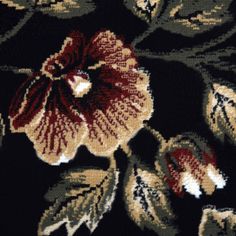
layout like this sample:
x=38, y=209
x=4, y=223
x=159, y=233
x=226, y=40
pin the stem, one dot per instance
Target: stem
x=112, y=162
x=16, y=70
x=167, y=56
x=158, y=136
x=206, y=76
x=214, y=42
x=12, y=32
x=127, y=150
x=186, y=55
x=144, y=35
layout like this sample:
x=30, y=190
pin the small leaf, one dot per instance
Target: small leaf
x=190, y=17
x=186, y=17
x=17, y=4
x=146, y=200
x=66, y=8
x=188, y=163
x=220, y=110
x=217, y=222
x=83, y=196
x=145, y=9
x=2, y=130
x=58, y=8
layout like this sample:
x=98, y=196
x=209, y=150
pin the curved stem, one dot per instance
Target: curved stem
x=127, y=150
x=12, y=32
x=167, y=56
x=16, y=70
x=144, y=35
x=217, y=40
x=113, y=164
x=186, y=54
x=207, y=78
x=158, y=136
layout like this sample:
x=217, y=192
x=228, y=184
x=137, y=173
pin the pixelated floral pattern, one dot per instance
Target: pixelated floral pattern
x=95, y=91
x=92, y=94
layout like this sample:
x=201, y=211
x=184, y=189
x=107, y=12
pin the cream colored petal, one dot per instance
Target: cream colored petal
x=55, y=142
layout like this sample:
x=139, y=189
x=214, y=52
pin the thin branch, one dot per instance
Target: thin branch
x=183, y=53
x=216, y=41
x=167, y=56
x=206, y=76
x=12, y=32
x=113, y=164
x=144, y=35
x=158, y=136
x=127, y=150
x=16, y=70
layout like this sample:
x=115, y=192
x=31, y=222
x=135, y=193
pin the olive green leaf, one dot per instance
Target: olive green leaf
x=18, y=4
x=189, y=17
x=83, y=196
x=58, y=8
x=217, y=222
x=146, y=199
x=2, y=130
x=220, y=110
x=186, y=17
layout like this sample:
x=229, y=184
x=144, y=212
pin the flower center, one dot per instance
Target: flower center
x=80, y=84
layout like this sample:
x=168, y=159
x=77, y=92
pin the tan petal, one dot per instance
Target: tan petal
x=108, y=48
x=55, y=136
x=120, y=121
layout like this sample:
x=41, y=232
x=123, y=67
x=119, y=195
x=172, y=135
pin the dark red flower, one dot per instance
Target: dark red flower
x=89, y=93
x=189, y=163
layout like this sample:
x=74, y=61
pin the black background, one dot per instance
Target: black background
x=178, y=94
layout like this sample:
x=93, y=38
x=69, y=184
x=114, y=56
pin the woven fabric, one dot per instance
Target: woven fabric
x=117, y=117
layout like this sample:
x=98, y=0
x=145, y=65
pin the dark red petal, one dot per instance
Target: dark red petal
x=19, y=96
x=69, y=56
x=29, y=101
x=188, y=162
x=60, y=130
x=209, y=158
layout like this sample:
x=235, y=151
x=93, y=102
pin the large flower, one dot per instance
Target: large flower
x=91, y=94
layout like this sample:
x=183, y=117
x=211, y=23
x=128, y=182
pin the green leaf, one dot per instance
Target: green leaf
x=186, y=17
x=217, y=222
x=190, y=17
x=220, y=110
x=17, y=4
x=146, y=199
x=65, y=8
x=57, y=8
x=147, y=10
x=83, y=196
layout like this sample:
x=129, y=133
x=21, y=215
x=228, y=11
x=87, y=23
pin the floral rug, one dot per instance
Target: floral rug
x=117, y=117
